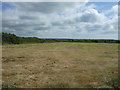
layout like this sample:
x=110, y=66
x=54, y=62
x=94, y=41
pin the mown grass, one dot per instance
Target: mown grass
x=61, y=65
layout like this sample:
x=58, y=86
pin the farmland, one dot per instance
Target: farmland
x=59, y=65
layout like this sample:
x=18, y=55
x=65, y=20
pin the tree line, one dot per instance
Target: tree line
x=8, y=38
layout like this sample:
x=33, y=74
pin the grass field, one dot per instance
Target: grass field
x=59, y=65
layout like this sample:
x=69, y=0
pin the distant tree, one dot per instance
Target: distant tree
x=13, y=39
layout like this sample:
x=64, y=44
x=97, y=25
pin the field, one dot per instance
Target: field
x=59, y=65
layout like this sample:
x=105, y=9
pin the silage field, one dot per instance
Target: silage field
x=59, y=65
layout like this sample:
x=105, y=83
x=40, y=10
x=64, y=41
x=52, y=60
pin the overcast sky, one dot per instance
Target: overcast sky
x=81, y=20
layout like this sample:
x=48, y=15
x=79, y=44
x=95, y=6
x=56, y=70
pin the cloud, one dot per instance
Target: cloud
x=45, y=7
x=60, y=20
x=113, y=11
x=91, y=16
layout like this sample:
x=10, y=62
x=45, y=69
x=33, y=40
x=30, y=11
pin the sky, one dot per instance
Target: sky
x=73, y=20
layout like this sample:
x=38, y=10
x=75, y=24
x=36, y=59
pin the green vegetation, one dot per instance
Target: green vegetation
x=106, y=56
x=114, y=82
x=10, y=85
x=8, y=38
x=13, y=39
x=9, y=60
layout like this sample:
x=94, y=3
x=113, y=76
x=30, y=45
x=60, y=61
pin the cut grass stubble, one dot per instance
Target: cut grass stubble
x=59, y=65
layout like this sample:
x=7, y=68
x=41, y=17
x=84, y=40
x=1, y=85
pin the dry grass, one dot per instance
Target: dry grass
x=59, y=65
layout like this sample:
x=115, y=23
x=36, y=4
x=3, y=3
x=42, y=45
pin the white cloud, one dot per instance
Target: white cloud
x=113, y=11
x=46, y=7
x=60, y=20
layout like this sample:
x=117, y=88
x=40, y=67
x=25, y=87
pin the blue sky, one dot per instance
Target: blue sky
x=89, y=20
x=103, y=6
x=6, y=6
